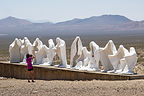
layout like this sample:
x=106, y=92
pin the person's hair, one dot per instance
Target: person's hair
x=28, y=55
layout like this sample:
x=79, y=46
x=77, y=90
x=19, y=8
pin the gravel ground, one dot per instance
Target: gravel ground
x=18, y=87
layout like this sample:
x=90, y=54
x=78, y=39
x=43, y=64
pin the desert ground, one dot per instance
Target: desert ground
x=18, y=87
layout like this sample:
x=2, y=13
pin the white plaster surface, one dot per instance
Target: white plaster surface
x=119, y=61
x=14, y=50
x=61, y=51
x=94, y=56
x=76, y=49
x=109, y=49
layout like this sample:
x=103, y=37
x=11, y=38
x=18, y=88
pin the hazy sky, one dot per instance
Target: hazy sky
x=61, y=10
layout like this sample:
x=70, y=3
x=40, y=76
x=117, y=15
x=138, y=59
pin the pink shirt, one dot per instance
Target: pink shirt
x=29, y=63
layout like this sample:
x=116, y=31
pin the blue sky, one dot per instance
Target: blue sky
x=62, y=10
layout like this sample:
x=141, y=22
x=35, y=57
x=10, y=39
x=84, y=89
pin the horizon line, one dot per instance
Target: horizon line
x=42, y=20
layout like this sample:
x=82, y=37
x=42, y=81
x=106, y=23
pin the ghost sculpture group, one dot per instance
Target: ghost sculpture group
x=43, y=55
x=119, y=61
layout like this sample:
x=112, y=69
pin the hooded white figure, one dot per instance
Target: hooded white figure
x=129, y=61
x=122, y=61
x=14, y=50
x=83, y=60
x=109, y=49
x=41, y=54
x=51, y=52
x=61, y=51
x=37, y=45
x=76, y=49
x=24, y=48
x=21, y=41
x=115, y=58
x=94, y=56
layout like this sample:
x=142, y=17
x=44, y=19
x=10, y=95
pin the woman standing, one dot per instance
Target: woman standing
x=30, y=67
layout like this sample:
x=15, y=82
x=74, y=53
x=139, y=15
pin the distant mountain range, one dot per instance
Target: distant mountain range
x=94, y=24
x=99, y=20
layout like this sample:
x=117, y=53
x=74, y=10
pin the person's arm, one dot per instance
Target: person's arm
x=33, y=56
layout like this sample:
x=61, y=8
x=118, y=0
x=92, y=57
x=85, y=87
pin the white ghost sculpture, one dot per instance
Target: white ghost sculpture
x=21, y=41
x=129, y=61
x=109, y=49
x=42, y=53
x=37, y=45
x=115, y=58
x=76, y=49
x=83, y=60
x=14, y=50
x=51, y=43
x=61, y=51
x=51, y=52
x=94, y=56
x=24, y=48
x=26, y=40
x=122, y=61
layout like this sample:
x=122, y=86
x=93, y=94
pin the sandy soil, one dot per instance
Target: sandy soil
x=17, y=87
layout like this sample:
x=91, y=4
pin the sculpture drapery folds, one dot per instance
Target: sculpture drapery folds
x=119, y=61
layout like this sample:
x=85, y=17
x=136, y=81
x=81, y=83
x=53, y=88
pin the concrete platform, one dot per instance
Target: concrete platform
x=16, y=70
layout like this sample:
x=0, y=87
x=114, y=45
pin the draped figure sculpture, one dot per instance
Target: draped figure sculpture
x=109, y=49
x=83, y=60
x=94, y=56
x=41, y=54
x=14, y=50
x=24, y=49
x=76, y=49
x=119, y=61
x=129, y=61
x=115, y=58
x=37, y=45
x=51, y=52
x=61, y=52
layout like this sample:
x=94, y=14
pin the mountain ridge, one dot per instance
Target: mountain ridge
x=94, y=24
x=107, y=16
x=101, y=20
x=12, y=20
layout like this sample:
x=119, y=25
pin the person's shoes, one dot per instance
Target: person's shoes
x=33, y=81
x=28, y=81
